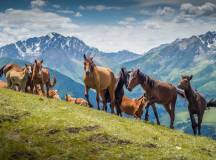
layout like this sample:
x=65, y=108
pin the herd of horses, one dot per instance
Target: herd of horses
x=34, y=78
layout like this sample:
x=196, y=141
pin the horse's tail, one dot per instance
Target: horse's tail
x=52, y=83
x=180, y=92
x=2, y=70
x=211, y=103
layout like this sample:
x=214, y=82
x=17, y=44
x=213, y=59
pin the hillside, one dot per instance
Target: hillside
x=64, y=84
x=33, y=127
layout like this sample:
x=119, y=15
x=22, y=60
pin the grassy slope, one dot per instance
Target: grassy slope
x=32, y=127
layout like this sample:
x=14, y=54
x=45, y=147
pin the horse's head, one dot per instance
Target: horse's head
x=28, y=69
x=144, y=102
x=124, y=76
x=38, y=66
x=88, y=65
x=185, y=82
x=133, y=80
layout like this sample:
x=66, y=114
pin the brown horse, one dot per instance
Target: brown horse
x=41, y=76
x=79, y=101
x=162, y=92
x=100, y=79
x=3, y=84
x=18, y=79
x=54, y=94
x=134, y=107
x=197, y=103
x=17, y=68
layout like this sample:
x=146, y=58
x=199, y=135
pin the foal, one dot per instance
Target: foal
x=196, y=103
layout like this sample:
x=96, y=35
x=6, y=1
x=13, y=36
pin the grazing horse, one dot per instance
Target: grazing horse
x=134, y=107
x=41, y=76
x=3, y=84
x=15, y=78
x=79, y=101
x=100, y=79
x=17, y=68
x=196, y=103
x=162, y=92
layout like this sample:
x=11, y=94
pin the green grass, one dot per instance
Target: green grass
x=33, y=127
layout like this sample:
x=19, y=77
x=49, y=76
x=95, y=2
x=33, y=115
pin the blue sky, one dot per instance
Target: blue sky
x=109, y=25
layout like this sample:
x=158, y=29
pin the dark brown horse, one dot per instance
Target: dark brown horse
x=162, y=92
x=41, y=76
x=197, y=103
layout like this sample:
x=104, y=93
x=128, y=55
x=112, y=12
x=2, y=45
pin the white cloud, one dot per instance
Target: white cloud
x=77, y=14
x=21, y=24
x=205, y=9
x=127, y=21
x=66, y=11
x=99, y=7
x=165, y=11
x=139, y=37
x=37, y=3
x=56, y=6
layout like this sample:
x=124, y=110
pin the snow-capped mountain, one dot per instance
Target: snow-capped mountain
x=64, y=54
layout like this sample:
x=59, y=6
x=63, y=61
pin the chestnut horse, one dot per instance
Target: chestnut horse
x=196, y=103
x=79, y=101
x=134, y=107
x=100, y=79
x=3, y=84
x=15, y=67
x=162, y=92
x=41, y=76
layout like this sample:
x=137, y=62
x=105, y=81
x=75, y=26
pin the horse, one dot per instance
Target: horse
x=41, y=76
x=79, y=101
x=100, y=79
x=54, y=94
x=15, y=78
x=119, y=90
x=8, y=67
x=134, y=107
x=162, y=92
x=3, y=84
x=196, y=103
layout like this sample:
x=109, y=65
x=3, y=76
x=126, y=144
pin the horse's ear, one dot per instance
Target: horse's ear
x=84, y=56
x=191, y=76
x=26, y=65
x=35, y=61
x=138, y=70
x=42, y=61
x=91, y=58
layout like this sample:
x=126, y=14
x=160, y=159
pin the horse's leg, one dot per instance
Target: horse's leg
x=200, y=117
x=155, y=113
x=147, y=113
x=104, y=101
x=118, y=109
x=172, y=117
x=42, y=88
x=168, y=109
x=112, y=98
x=194, y=124
x=98, y=100
x=47, y=88
x=87, y=96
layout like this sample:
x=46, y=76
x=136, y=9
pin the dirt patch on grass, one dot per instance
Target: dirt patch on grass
x=85, y=128
x=52, y=131
x=107, y=139
x=150, y=145
x=13, y=117
x=20, y=155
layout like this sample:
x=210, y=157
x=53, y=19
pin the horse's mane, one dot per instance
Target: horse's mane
x=145, y=78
